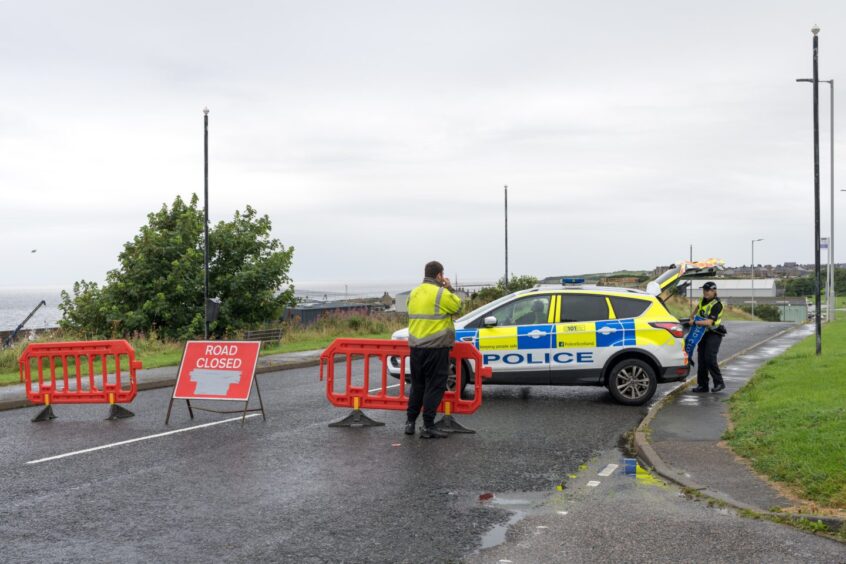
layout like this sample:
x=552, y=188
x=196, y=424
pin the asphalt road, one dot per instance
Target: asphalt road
x=292, y=489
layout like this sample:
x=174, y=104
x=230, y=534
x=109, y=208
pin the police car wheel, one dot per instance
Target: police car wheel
x=632, y=382
x=466, y=376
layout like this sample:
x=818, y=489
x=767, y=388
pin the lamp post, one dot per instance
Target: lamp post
x=506, y=239
x=690, y=288
x=753, y=273
x=206, y=225
x=830, y=292
x=816, y=78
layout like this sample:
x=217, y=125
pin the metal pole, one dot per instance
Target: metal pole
x=832, y=294
x=818, y=301
x=506, y=237
x=206, y=225
x=690, y=287
x=753, y=277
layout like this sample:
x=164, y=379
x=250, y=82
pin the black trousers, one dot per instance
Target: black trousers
x=429, y=373
x=709, y=346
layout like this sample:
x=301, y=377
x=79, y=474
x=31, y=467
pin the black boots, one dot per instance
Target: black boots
x=432, y=433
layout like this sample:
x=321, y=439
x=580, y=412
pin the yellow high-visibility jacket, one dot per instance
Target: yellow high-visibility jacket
x=430, y=310
x=704, y=310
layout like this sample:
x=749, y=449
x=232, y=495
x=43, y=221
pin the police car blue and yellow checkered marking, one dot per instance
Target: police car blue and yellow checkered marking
x=533, y=336
x=615, y=333
x=574, y=335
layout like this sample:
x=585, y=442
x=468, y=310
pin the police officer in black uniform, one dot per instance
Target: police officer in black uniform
x=711, y=309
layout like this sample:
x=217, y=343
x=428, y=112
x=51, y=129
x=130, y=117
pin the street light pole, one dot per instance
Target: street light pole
x=815, y=30
x=830, y=291
x=753, y=274
x=690, y=288
x=506, y=239
x=206, y=225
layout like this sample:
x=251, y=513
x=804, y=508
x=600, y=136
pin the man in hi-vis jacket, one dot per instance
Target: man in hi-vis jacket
x=431, y=335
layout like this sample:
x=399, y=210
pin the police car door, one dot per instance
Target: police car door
x=579, y=343
x=517, y=346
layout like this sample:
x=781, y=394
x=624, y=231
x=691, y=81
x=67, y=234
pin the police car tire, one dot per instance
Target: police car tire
x=632, y=382
x=467, y=377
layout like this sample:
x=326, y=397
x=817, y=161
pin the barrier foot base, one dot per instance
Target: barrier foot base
x=118, y=412
x=45, y=414
x=448, y=424
x=357, y=417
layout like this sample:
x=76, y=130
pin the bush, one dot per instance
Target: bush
x=766, y=312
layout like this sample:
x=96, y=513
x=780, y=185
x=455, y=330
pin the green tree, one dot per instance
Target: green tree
x=158, y=286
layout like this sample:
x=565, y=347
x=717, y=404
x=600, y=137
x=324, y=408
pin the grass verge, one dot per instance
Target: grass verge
x=679, y=306
x=790, y=420
x=155, y=353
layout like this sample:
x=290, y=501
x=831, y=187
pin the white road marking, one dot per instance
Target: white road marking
x=93, y=449
x=380, y=387
x=608, y=470
x=562, y=512
x=593, y=483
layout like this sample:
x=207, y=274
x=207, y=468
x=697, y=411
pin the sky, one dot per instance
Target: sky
x=379, y=135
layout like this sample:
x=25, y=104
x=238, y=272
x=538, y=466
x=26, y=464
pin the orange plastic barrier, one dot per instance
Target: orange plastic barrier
x=67, y=373
x=373, y=393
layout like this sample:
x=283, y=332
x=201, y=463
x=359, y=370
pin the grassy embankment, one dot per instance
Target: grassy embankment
x=155, y=353
x=680, y=308
x=790, y=420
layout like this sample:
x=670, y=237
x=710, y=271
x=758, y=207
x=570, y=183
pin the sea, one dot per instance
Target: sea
x=17, y=303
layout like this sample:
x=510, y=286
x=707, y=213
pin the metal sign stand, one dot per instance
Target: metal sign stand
x=243, y=412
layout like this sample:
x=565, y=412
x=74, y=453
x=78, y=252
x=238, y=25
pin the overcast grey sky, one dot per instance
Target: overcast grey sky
x=379, y=135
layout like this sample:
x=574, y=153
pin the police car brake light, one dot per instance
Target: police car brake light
x=565, y=281
x=675, y=329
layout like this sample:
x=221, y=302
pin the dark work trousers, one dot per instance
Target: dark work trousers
x=709, y=346
x=429, y=373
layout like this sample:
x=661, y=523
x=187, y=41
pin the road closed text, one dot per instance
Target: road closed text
x=223, y=357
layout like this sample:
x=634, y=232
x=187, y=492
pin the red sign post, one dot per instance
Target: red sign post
x=220, y=371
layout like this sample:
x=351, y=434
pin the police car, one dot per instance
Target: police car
x=572, y=334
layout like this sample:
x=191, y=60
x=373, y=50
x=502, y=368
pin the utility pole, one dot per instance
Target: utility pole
x=206, y=225
x=753, y=274
x=815, y=30
x=690, y=287
x=506, y=237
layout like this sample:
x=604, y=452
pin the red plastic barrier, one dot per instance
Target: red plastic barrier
x=360, y=397
x=66, y=373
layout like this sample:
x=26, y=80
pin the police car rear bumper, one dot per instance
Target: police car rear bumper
x=674, y=373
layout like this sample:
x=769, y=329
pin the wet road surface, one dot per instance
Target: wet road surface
x=291, y=488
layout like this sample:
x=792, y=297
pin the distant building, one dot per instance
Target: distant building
x=400, y=301
x=728, y=288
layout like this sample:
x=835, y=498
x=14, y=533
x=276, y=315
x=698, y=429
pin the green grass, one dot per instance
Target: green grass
x=680, y=308
x=790, y=420
x=154, y=353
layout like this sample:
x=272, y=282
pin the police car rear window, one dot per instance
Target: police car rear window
x=583, y=307
x=627, y=307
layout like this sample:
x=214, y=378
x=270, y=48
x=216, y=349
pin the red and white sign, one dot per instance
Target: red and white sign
x=219, y=370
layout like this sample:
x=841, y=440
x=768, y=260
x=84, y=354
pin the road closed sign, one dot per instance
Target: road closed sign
x=219, y=370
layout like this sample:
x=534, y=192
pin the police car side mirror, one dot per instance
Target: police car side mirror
x=490, y=321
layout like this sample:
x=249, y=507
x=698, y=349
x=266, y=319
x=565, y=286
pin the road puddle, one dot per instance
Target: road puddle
x=519, y=505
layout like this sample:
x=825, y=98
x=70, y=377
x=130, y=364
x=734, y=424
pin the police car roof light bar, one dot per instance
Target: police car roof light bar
x=565, y=281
